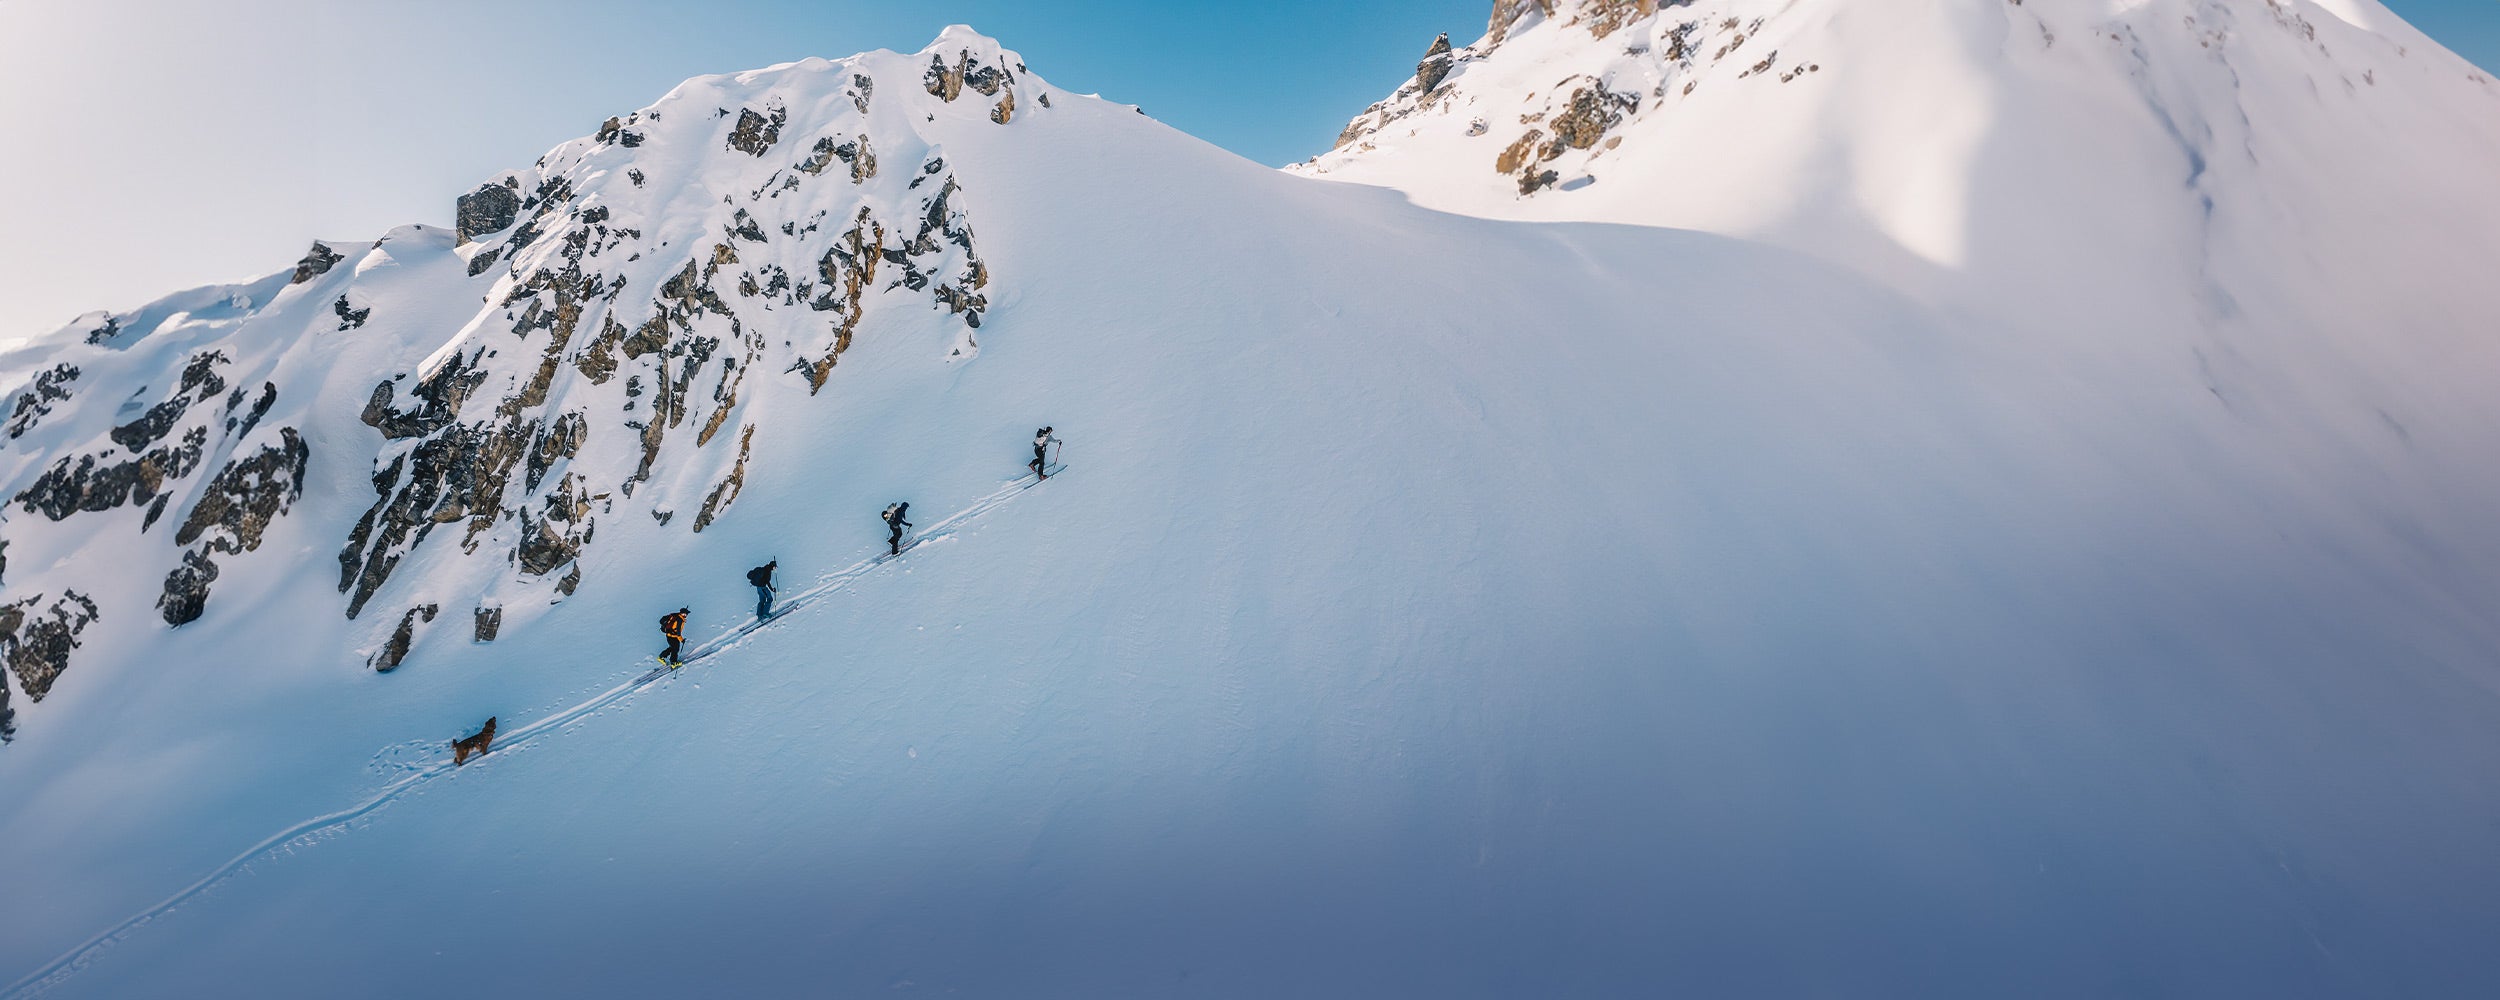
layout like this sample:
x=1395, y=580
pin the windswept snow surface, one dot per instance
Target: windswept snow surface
x=1433, y=606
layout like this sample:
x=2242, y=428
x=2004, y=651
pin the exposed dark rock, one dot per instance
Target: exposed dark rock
x=1006, y=110
x=1592, y=111
x=199, y=376
x=1518, y=153
x=489, y=622
x=942, y=81
x=316, y=262
x=250, y=493
x=854, y=152
x=989, y=80
x=438, y=395
x=154, y=424
x=186, y=589
x=608, y=130
x=571, y=580
x=1605, y=17
x=727, y=492
x=597, y=359
x=866, y=87
x=350, y=317
x=106, y=329
x=260, y=408
x=488, y=209
x=1436, y=65
x=756, y=133
x=50, y=387
x=1507, y=11
x=394, y=652
x=544, y=546
x=66, y=489
x=457, y=471
x=37, y=644
x=560, y=441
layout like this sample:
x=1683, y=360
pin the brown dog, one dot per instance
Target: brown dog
x=478, y=744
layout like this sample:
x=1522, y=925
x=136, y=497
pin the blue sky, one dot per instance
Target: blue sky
x=189, y=142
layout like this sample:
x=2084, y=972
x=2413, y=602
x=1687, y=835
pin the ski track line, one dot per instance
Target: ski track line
x=76, y=960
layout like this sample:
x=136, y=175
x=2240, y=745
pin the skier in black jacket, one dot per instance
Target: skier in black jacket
x=894, y=520
x=762, y=578
x=673, y=625
x=1041, y=453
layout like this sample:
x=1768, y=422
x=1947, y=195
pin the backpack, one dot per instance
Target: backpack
x=760, y=576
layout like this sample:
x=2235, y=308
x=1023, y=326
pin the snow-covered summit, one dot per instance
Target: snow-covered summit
x=1980, y=143
x=563, y=359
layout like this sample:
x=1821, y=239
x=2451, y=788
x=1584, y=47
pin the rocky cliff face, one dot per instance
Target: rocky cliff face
x=1560, y=127
x=633, y=291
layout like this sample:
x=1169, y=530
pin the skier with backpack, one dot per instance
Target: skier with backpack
x=673, y=625
x=1041, y=453
x=762, y=578
x=894, y=520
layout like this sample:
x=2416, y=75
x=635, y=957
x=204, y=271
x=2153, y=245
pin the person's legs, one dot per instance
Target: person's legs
x=763, y=602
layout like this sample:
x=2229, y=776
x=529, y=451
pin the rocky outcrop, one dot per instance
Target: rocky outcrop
x=105, y=331
x=489, y=209
x=238, y=506
x=1591, y=112
x=438, y=396
x=186, y=589
x=317, y=262
x=1605, y=17
x=1507, y=12
x=1436, y=64
x=948, y=82
x=350, y=317
x=91, y=485
x=394, y=652
x=50, y=388
x=944, y=82
x=756, y=133
x=848, y=269
x=727, y=492
x=37, y=644
x=486, y=442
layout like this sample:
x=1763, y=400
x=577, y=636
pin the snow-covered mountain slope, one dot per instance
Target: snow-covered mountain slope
x=561, y=363
x=1432, y=604
x=2199, y=183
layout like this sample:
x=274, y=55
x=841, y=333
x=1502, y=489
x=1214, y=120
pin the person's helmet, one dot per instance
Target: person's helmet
x=681, y=611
